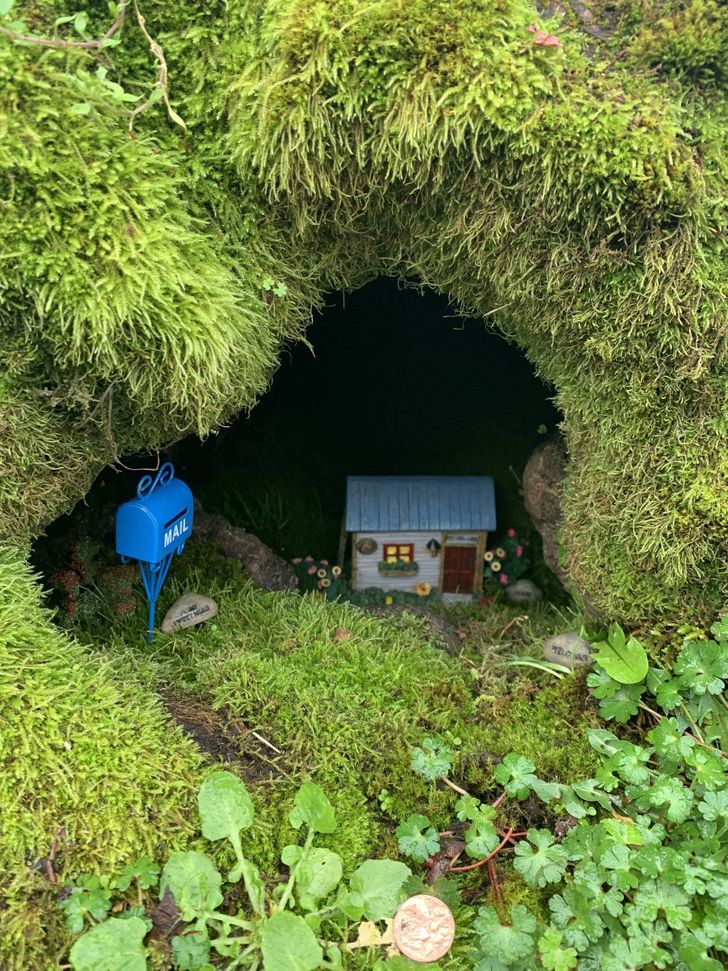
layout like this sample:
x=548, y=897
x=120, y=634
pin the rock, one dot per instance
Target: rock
x=542, y=479
x=568, y=649
x=266, y=568
x=190, y=609
x=523, y=592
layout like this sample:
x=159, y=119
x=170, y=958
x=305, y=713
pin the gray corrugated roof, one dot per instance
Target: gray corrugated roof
x=375, y=503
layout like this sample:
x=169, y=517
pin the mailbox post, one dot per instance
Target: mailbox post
x=153, y=527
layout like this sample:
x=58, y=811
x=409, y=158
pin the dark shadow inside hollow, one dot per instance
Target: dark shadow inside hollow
x=391, y=381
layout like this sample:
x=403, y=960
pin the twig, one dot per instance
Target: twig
x=493, y=876
x=474, y=866
x=162, y=76
x=514, y=620
x=265, y=741
x=463, y=792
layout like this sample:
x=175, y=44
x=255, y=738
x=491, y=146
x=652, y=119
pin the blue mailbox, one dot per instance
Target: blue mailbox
x=153, y=527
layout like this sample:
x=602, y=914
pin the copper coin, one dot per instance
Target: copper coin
x=424, y=928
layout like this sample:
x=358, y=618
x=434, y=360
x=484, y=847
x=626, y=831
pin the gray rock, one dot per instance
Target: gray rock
x=542, y=485
x=190, y=609
x=523, y=592
x=568, y=649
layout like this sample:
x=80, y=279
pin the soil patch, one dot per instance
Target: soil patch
x=225, y=738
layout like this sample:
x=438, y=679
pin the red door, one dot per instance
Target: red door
x=458, y=575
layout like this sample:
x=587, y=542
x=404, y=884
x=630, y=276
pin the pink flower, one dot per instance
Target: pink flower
x=504, y=578
x=308, y=559
x=319, y=585
x=324, y=562
x=519, y=551
x=511, y=532
x=311, y=570
x=296, y=559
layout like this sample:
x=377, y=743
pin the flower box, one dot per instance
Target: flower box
x=398, y=569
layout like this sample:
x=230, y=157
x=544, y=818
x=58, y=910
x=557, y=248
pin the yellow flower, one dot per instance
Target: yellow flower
x=326, y=583
x=321, y=573
x=423, y=588
x=500, y=552
x=488, y=556
x=336, y=570
x=388, y=599
x=495, y=566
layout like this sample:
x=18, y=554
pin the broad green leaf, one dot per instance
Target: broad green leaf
x=225, y=806
x=80, y=22
x=313, y=809
x=702, y=666
x=377, y=889
x=190, y=950
x=658, y=898
x=289, y=944
x=509, y=943
x=554, y=955
x=144, y=871
x=114, y=945
x=669, y=741
x=6, y=6
x=318, y=875
x=624, y=660
x=714, y=805
x=512, y=774
x=81, y=108
x=193, y=881
x=540, y=860
x=672, y=794
x=417, y=839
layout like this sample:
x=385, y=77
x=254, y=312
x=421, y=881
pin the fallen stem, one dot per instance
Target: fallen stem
x=698, y=741
x=474, y=866
x=452, y=785
x=59, y=43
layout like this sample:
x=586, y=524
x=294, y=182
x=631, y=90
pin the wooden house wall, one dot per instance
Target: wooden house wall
x=365, y=572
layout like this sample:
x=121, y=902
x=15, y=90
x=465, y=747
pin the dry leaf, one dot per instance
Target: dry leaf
x=369, y=935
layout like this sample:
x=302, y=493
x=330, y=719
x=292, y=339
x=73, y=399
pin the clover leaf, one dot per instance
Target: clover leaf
x=111, y=946
x=417, y=839
x=144, y=871
x=714, y=805
x=544, y=864
x=672, y=794
x=510, y=943
x=659, y=898
x=703, y=666
x=552, y=952
x=481, y=837
x=669, y=741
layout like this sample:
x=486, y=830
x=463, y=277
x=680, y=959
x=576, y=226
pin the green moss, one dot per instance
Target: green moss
x=87, y=759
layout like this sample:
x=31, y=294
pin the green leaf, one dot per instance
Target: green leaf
x=708, y=768
x=80, y=22
x=225, y=806
x=194, y=883
x=673, y=794
x=114, y=945
x=318, y=875
x=144, y=871
x=377, y=889
x=544, y=864
x=714, y=805
x=631, y=765
x=289, y=944
x=417, y=839
x=468, y=807
x=481, y=837
x=554, y=955
x=6, y=6
x=510, y=943
x=702, y=666
x=190, y=950
x=313, y=809
x=624, y=660
x=433, y=760
x=82, y=901
x=512, y=773
x=81, y=108
x=669, y=741
x=253, y=886
x=658, y=898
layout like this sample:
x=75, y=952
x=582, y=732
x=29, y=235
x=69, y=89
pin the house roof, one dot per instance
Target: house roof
x=419, y=502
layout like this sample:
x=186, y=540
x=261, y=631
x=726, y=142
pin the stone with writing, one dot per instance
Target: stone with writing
x=190, y=609
x=523, y=592
x=569, y=650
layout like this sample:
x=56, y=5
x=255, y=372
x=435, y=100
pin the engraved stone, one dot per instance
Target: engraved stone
x=190, y=609
x=569, y=650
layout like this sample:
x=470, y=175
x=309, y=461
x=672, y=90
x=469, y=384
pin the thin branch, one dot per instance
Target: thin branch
x=162, y=76
x=463, y=792
x=474, y=866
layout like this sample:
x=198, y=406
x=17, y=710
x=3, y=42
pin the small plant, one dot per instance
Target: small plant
x=319, y=576
x=293, y=927
x=405, y=567
x=508, y=561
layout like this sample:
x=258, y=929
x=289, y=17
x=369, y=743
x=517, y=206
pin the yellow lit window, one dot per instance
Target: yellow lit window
x=398, y=551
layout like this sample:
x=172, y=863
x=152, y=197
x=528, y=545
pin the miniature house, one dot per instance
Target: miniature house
x=411, y=531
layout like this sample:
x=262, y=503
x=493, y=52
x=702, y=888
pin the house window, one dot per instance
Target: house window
x=398, y=551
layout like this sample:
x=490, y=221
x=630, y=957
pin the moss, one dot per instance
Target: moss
x=87, y=759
